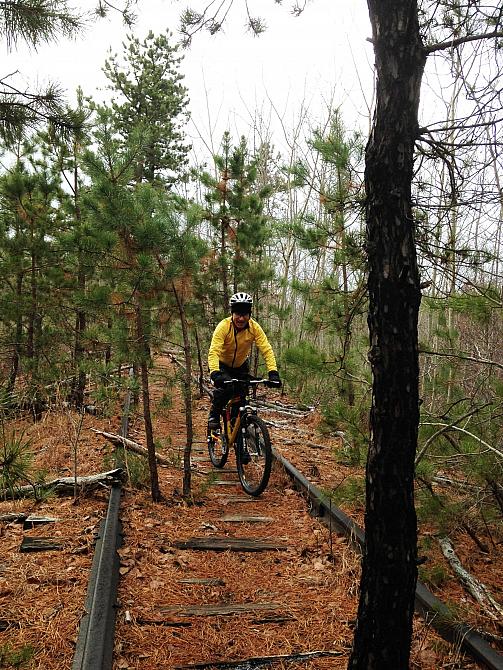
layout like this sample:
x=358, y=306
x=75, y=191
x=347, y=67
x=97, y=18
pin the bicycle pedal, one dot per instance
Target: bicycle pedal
x=245, y=458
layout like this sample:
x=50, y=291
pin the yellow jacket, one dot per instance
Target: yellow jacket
x=232, y=347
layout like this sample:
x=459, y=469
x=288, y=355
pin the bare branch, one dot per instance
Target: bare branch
x=439, y=46
x=462, y=356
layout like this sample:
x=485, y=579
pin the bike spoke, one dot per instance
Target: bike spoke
x=254, y=457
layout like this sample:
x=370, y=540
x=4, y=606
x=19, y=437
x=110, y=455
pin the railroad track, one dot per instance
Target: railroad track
x=95, y=641
x=205, y=603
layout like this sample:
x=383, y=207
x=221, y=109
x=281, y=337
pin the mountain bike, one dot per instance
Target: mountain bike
x=247, y=433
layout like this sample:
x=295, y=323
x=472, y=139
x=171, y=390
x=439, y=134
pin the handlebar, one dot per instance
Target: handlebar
x=253, y=382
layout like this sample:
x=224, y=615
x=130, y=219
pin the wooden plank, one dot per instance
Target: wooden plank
x=246, y=519
x=206, y=581
x=40, y=544
x=225, y=482
x=230, y=543
x=230, y=500
x=219, y=610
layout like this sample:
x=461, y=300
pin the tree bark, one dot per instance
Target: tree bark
x=16, y=355
x=79, y=382
x=145, y=392
x=384, y=625
x=187, y=395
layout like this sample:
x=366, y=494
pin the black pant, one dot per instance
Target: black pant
x=222, y=395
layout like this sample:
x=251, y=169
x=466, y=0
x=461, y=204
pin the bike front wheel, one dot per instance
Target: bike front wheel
x=218, y=448
x=254, y=456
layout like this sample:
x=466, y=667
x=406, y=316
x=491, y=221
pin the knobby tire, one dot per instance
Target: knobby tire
x=254, y=475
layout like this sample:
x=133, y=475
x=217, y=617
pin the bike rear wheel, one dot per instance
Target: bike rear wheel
x=218, y=448
x=254, y=456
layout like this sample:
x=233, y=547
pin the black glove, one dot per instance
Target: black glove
x=274, y=380
x=218, y=378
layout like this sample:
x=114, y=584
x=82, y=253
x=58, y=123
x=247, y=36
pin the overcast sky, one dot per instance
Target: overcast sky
x=308, y=60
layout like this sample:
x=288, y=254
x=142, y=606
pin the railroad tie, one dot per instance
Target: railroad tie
x=40, y=544
x=230, y=544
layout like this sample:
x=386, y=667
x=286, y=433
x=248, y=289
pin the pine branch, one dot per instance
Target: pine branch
x=37, y=21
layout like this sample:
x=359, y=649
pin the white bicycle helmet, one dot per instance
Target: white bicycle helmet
x=241, y=299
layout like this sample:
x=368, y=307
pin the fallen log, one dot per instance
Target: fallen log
x=278, y=410
x=478, y=590
x=66, y=485
x=120, y=441
x=13, y=517
x=455, y=483
x=260, y=661
x=285, y=409
x=300, y=431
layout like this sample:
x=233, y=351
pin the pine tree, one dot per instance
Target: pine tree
x=235, y=208
x=32, y=271
x=149, y=248
x=151, y=101
x=331, y=231
x=78, y=243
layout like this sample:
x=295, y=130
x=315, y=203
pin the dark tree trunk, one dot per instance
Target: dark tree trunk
x=187, y=394
x=223, y=264
x=200, y=365
x=108, y=348
x=16, y=355
x=79, y=381
x=384, y=625
x=30, y=331
x=147, y=416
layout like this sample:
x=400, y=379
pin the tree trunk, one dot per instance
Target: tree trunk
x=16, y=354
x=144, y=350
x=187, y=395
x=223, y=264
x=389, y=572
x=79, y=382
x=108, y=348
x=200, y=365
x=30, y=331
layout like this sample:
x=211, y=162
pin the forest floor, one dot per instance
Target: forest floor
x=298, y=597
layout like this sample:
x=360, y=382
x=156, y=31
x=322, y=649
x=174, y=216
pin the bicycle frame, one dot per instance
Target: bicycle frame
x=247, y=434
x=231, y=433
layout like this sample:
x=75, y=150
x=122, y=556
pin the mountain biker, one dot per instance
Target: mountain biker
x=229, y=350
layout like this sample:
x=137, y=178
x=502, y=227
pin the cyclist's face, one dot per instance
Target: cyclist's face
x=240, y=320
